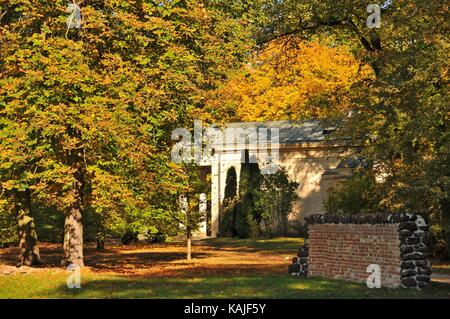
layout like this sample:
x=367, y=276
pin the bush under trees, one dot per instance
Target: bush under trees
x=277, y=195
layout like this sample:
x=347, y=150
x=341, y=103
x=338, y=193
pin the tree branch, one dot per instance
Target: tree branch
x=372, y=46
x=2, y=14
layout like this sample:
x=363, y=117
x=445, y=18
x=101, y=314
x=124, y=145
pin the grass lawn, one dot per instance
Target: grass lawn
x=51, y=285
x=221, y=268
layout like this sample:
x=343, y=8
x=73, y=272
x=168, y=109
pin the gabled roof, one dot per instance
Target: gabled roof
x=290, y=132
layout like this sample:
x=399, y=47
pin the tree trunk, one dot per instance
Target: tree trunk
x=73, y=226
x=189, y=244
x=73, y=238
x=100, y=240
x=29, y=252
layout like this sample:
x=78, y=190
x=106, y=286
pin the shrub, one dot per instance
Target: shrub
x=227, y=223
x=248, y=215
x=156, y=237
x=130, y=237
x=275, y=201
x=353, y=196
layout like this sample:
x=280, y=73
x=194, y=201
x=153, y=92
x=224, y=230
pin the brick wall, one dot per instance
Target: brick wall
x=342, y=247
x=344, y=251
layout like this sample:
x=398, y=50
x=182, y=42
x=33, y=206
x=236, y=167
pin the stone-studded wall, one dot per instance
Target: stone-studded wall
x=342, y=247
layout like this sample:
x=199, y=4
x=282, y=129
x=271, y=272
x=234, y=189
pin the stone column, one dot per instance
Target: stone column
x=203, y=205
x=215, y=196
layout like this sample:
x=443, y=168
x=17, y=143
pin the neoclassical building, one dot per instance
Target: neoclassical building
x=314, y=160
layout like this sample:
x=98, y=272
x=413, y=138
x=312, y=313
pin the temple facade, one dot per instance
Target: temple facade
x=311, y=158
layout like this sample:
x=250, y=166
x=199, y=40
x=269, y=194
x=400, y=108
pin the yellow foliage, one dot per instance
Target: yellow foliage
x=291, y=80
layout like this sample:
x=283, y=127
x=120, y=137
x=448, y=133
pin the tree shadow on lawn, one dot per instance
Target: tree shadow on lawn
x=278, y=245
x=112, y=259
x=122, y=262
x=51, y=255
x=218, y=253
x=210, y=287
x=192, y=270
x=235, y=287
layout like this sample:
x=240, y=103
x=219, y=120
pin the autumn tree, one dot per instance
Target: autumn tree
x=94, y=106
x=185, y=202
x=291, y=79
x=402, y=111
x=16, y=159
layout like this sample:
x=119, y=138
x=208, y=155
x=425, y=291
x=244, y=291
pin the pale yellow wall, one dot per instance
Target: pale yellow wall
x=305, y=164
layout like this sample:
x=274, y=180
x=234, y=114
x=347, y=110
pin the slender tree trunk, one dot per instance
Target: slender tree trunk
x=100, y=243
x=189, y=243
x=29, y=252
x=100, y=238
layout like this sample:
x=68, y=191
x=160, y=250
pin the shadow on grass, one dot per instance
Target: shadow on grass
x=118, y=262
x=190, y=270
x=50, y=256
x=235, y=287
x=213, y=287
x=280, y=245
x=108, y=259
x=142, y=256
